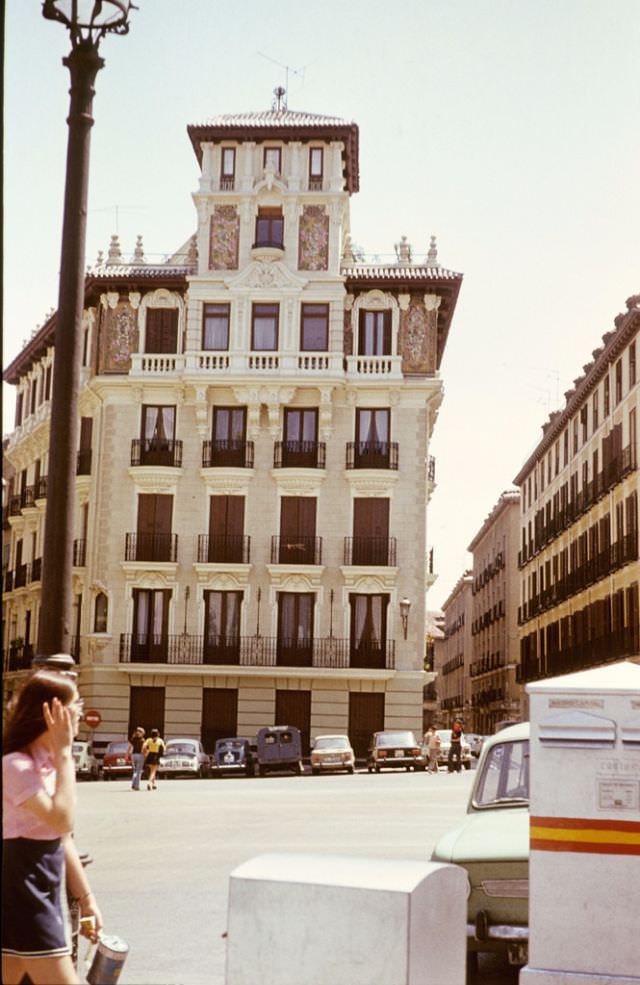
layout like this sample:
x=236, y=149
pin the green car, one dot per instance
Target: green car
x=492, y=844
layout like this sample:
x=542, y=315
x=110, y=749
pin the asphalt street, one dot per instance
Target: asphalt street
x=162, y=858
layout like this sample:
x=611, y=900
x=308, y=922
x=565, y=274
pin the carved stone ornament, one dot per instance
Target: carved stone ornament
x=364, y=581
x=233, y=577
x=432, y=302
x=289, y=578
x=266, y=273
x=404, y=301
x=134, y=299
x=157, y=479
x=227, y=481
x=110, y=299
x=150, y=574
x=348, y=302
x=370, y=483
x=299, y=482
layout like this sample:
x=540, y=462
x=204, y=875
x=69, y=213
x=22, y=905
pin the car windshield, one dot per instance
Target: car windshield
x=229, y=744
x=505, y=775
x=180, y=748
x=396, y=739
x=117, y=748
x=332, y=742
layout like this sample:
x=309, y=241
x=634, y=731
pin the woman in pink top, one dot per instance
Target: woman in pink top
x=39, y=855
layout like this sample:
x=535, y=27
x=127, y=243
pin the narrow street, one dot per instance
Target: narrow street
x=162, y=859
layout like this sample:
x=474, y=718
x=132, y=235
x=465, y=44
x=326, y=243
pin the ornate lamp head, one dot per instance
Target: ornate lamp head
x=89, y=20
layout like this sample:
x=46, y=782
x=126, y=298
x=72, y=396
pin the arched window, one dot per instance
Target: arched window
x=101, y=613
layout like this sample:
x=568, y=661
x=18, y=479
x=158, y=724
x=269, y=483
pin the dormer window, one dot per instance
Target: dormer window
x=316, y=156
x=227, y=168
x=270, y=228
x=272, y=158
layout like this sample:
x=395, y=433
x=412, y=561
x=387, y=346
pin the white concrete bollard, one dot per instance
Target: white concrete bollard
x=584, y=870
x=311, y=919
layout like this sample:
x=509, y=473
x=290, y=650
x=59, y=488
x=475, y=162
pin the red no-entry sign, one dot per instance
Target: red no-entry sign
x=92, y=718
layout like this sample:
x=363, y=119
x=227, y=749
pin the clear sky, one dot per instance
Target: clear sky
x=508, y=128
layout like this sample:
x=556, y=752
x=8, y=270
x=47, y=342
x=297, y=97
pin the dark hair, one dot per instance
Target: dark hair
x=154, y=732
x=25, y=720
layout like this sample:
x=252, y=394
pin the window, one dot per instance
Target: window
x=374, y=337
x=595, y=410
x=566, y=447
x=157, y=434
x=619, y=381
x=297, y=544
x=272, y=158
x=368, y=630
x=371, y=543
x=295, y=628
x=150, y=624
x=372, y=438
x=18, y=417
x=215, y=326
x=47, y=384
x=101, y=613
x=222, y=627
x=300, y=445
x=606, y=396
x=632, y=364
x=583, y=422
x=270, y=228
x=315, y=168
x=161, y=330
x=227, y=167
x=314, y=328
x=228, y=436
x=557, y=457
x=226, y=529
x=264, y=327
x=154, y=540
x=575, y=435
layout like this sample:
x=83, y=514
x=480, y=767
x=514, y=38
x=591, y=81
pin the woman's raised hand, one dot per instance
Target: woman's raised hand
x=59, y=725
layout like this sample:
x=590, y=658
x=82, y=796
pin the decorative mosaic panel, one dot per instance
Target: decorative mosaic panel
x=417, y=338
x=348, y=334
x=118, y=339
x=313, y=248
x=224, y=238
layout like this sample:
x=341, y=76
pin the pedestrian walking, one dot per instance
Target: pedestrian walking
x=433, y=749
x=455, y=749
x=39, y=855
x=153, y=748
x=136, y=742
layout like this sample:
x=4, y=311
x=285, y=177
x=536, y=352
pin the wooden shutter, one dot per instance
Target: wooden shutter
x=366, y=716
x=226, y=516
x=146, y=708
x=298, y=516
x=294, y=708
x=219, y=715
x=154, y=513
x=86, y=427
x=161, y=330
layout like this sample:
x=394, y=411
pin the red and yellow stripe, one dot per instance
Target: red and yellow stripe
x=576, y=834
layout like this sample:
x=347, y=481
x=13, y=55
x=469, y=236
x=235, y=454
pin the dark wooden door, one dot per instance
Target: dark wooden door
x=150, y=642
x=146, y=709
x=219, y=715
x=366, y=716
x=300, y=446
x=294, y=708
x=297, y=530
x=229, y=431
x=370, y=531
x=226, y=528
x=154, y=527
x=295, y=629
x=161, y=330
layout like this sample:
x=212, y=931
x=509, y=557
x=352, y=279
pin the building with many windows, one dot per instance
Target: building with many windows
x=495, y=643
x=253, y=470
x=578, y=559
x=453, y=656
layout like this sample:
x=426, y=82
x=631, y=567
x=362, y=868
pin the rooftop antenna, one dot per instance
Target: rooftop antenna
x=280, y=102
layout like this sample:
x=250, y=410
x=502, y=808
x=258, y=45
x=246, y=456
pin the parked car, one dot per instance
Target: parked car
x=445, y=745
x=475, y=743
x=184, y=757
x=87, y=766
x=492, y=843
x=279, y=747
x=394, y=750
x=117, y=761
x=332, y=752
x=232, y=757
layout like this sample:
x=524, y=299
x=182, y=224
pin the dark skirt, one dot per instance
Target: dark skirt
x=153, y=758
x=32, y=881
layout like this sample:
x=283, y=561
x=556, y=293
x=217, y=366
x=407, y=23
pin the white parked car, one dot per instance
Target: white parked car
x=445, y=745
x=332, y=752
x=86, y=764
x=184, y=757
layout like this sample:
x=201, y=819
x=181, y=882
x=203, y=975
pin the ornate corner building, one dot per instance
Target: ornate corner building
x=254, y=468
x=578, y=558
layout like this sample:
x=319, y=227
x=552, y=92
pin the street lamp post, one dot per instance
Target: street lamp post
x=87, y=21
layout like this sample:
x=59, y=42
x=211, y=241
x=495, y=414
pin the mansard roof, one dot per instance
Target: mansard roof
x=283, y=124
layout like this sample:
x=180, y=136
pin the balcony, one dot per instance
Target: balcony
x=375, y=366
x=20, y=576
x=227, y=454
x=296, y=550
x=14, y=506
x=151, y=451
x=28, y=498
x=83, y=462
x=227, y=184
x=8, y=581
x=315, y=184
x=372, y=455
x=41, y=487
x=18, y=658
x=223, y=549
x=36, y=569
x=151, y=547
x=370, y=551
x=299, y=455
x=257, y=651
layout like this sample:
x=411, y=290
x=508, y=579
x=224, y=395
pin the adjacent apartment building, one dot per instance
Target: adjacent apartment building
x=578, y=559
x=453, y=656
x=253, y=469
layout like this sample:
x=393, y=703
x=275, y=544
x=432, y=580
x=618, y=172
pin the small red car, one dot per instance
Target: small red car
x=117, y=760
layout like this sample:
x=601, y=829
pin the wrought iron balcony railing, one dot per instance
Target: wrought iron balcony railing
x=296, y=550
x=223, y=548
x=229, y=454
x=372, y=455
x=153, y=451
x=299, y=454
x=370, y=551
x=151, y=547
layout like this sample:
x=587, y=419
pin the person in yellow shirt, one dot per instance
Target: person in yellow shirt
x=152, y=749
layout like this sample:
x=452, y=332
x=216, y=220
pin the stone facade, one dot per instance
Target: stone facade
x=223, y=376
x=453, y=656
